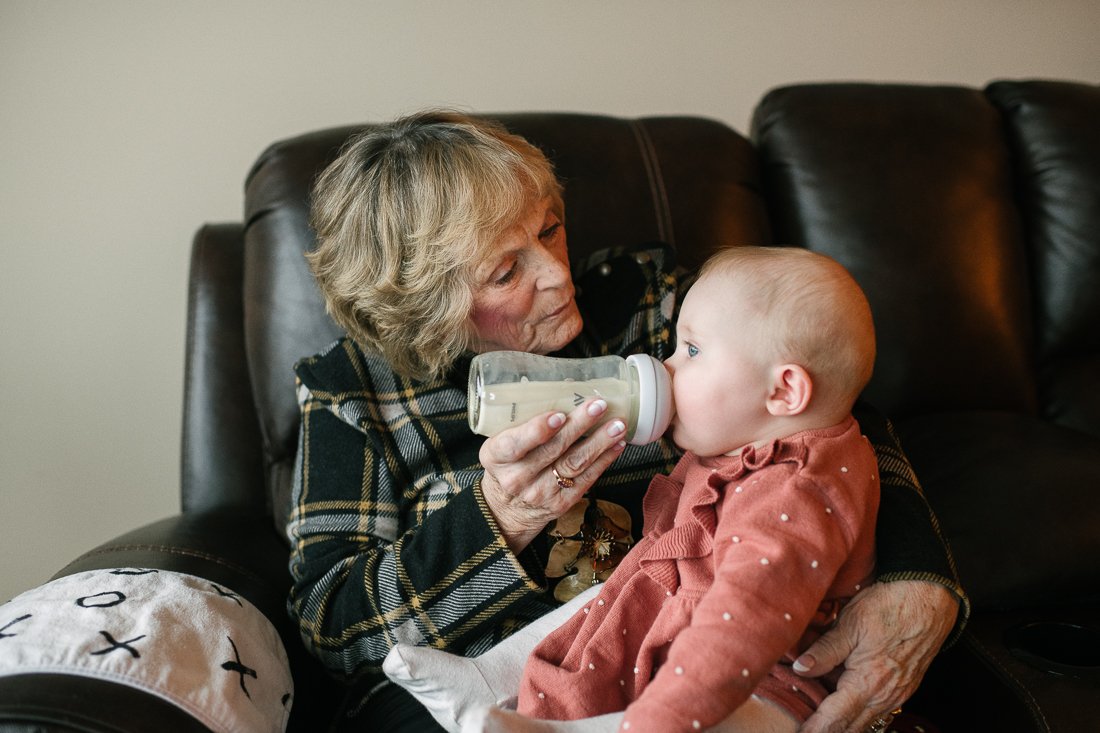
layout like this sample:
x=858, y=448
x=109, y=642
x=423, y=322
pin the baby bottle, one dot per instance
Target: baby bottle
x=510, y=387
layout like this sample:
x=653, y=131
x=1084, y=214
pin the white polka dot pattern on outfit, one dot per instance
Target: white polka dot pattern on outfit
x=750, y=541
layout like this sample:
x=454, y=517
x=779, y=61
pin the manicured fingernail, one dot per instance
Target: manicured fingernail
x=616, y=427
x=803, y=664
x=556, y=420
x=597, y=407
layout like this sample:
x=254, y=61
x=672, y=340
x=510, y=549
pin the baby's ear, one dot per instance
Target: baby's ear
x=791, y=390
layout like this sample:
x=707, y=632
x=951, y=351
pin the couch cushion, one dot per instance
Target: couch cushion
x=1052, y=128
x=1016, y=498
x=910, y=187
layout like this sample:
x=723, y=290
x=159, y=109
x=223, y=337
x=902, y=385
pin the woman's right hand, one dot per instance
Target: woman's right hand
x=519, y=484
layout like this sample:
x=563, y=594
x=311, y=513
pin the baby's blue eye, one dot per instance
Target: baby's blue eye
x=692, y=350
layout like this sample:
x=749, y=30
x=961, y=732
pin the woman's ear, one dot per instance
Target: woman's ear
x=791, y=390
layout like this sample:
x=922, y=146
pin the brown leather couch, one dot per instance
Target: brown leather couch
x=970, y=216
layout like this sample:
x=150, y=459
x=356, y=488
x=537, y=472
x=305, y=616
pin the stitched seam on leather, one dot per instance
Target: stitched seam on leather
x=198, y=258
x=656, y=183
x=1029, y=700
x=176, y=551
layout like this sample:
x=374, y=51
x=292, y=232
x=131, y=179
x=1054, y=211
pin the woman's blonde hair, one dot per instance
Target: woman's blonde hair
x=809, y=311
x=404, y=215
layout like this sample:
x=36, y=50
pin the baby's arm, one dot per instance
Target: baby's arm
x=777, y=549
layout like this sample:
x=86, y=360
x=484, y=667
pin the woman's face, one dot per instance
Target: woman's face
x=523, y=292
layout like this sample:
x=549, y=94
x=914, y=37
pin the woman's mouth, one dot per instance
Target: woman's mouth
x=559, y=310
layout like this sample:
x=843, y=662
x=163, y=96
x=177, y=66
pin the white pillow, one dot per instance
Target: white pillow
x=183, y=638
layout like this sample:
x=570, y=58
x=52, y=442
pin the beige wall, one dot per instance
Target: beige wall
x=125, y=125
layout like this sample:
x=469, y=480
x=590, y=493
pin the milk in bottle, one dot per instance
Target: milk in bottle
x=508, y=388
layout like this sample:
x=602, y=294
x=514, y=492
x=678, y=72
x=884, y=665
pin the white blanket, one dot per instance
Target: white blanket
x=185, y=639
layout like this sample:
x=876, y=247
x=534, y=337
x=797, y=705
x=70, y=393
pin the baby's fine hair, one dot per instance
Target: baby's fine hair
x=808, y=310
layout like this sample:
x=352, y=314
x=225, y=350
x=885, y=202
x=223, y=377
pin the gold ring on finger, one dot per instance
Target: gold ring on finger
x=564, y=482
x=882, y=722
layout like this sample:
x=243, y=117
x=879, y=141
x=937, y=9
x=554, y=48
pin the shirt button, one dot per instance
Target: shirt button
x=605, y=269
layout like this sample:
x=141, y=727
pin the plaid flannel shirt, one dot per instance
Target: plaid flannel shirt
x=391, y=538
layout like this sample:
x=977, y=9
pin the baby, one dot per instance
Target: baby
x=751, y=546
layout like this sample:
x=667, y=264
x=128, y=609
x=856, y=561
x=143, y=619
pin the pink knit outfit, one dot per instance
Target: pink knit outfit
x=744, y=562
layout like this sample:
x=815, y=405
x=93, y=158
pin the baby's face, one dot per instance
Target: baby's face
x=719, y=382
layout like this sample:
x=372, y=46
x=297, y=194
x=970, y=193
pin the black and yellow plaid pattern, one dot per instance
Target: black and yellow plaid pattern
x=391, y=539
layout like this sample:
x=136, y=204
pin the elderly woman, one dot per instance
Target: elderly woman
x=441, y=236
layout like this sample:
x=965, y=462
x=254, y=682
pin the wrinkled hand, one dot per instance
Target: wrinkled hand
x=886, y=638
x=519, y=484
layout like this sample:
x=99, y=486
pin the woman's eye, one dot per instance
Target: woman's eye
x=550, y=231
x=505, y=277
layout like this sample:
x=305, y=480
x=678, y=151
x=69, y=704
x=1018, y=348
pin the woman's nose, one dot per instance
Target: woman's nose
x=552, y=272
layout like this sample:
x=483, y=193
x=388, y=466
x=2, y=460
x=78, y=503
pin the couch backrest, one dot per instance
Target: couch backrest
x=971, y=217
x=690, y=182
x=1051, y=129
x=911, y=188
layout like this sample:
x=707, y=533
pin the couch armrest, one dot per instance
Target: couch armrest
x=238, y=550
x=221, y=461
x=984, y=683
x=61, y=703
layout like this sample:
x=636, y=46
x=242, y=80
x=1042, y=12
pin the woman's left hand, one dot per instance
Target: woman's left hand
x=536, y=471
x=886, y=638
